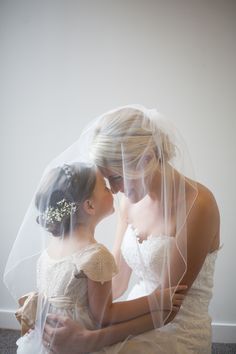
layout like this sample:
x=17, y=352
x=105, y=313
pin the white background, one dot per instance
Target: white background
x=62, y=63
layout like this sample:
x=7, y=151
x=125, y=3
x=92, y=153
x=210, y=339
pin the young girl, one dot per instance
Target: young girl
x=74, y=272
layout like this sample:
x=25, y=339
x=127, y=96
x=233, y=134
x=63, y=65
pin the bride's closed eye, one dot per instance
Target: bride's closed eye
x=115, y=178
x=116, y=183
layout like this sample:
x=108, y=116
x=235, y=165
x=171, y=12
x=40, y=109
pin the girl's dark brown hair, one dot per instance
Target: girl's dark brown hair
x=72, y=183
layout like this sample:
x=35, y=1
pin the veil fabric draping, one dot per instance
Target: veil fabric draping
x=140, y=147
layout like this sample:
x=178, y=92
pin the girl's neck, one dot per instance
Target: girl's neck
x=83, y=234
x=81, y=237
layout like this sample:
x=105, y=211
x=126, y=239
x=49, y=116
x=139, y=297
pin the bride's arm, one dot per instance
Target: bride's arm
x=70, y=337
x=202, y=228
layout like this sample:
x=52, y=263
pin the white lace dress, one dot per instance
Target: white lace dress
x=64, y=285
x=190, y=331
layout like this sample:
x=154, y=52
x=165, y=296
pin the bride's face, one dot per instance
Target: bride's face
x=134, y=189
x=116, y=181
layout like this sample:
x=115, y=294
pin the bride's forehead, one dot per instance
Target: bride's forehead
x=106, y=172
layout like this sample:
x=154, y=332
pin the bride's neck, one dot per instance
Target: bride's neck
x=156, y=184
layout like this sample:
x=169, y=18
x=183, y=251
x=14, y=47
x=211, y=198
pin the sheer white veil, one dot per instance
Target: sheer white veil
x=141, y=147
x=149, y=153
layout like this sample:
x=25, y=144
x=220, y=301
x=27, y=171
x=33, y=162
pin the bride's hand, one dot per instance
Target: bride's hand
x=63, y=335
x=171, y=298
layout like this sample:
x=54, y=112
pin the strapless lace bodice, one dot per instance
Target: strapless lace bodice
x=151, y=252
x=192, y=325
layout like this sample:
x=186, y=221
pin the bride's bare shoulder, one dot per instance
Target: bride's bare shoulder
x=205, y=196
x=202, y=195
x=205, y=212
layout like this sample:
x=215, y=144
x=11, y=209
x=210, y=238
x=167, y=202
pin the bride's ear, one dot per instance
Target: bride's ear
x=89, y=207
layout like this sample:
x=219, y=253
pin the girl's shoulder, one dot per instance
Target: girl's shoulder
x=95, y=249
x=96, y=262
x=94, y=253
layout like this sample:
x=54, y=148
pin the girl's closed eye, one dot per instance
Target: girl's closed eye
x=107, y=188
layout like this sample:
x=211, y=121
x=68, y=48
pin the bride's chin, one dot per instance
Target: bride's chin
x=136, y=197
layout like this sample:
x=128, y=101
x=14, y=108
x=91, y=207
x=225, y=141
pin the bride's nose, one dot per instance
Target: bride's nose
x=117, y=187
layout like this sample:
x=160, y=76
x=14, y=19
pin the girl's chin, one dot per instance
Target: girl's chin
x=112, y=210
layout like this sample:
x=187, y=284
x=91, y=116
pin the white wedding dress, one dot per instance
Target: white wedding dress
x=64, y=282
x=190, y=331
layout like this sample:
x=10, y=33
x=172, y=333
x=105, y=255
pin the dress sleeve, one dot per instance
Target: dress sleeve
x=97, y=263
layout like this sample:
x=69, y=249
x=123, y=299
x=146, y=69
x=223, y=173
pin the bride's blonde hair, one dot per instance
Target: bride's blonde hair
x=129, y=133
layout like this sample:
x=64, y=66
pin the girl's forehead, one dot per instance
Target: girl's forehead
x=100, y=178
x=99, y=174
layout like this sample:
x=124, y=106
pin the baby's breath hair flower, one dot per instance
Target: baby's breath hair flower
x=53, y=214
x=67, y=170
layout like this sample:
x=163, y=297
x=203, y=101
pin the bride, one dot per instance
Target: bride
x=168, y=234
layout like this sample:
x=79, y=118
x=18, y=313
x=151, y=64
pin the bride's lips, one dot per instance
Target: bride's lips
x=132, y=195
x=135, y=195
x=129, y=193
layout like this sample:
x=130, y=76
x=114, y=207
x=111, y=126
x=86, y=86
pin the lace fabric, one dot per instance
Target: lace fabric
x=190, y=331
x=70, y=273
x=64, y=285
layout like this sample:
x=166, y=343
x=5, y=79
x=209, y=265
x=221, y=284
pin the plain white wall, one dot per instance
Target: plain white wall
x=64, y=62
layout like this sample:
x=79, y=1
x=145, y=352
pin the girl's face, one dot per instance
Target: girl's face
x=102, y=197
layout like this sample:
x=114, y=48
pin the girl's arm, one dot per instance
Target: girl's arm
x=106, y=312
x=100, y=296
x=121, y=280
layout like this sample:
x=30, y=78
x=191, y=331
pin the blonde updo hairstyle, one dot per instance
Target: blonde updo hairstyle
x=131, y=134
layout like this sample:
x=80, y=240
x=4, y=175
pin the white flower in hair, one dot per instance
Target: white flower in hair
x=64, y=208
x=67, y=170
